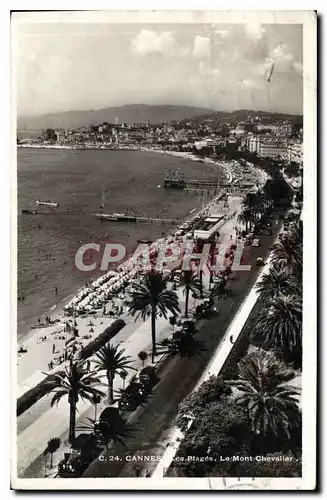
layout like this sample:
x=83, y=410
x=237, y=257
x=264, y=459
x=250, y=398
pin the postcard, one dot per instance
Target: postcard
x=163, y=218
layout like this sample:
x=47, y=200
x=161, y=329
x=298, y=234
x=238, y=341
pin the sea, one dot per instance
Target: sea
x=81, y=181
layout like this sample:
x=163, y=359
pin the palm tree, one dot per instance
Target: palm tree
x=151, y=297
x=271, y=403
x=250, y=200
x=287, y=252
x=295, y=233
x=219, y=289
x=191, y=283
x=110, y=359
x=111, y=426
x=114, y=427
x=96, y=400
x=75, y=382
x=255, y=203
x=245, y=217
x=184, y=344
x=277, y=282
x=52, y=446
x=282, y=324
x=173, y=321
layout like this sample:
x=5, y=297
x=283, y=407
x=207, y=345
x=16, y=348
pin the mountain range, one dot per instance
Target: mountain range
x=139, y=113
x=131, y=113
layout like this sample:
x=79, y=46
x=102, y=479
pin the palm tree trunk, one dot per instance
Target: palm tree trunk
x=153, y=333
x=201, y=284
x=51, y=462
x=110, y=379
x=72, y=421
x=210, y=279
x=187, y=294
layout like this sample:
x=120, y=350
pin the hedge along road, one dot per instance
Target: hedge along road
x=177, y=378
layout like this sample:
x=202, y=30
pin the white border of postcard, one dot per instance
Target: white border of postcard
x=308, y=480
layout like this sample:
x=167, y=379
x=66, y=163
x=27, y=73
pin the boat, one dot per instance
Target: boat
x=47, y=203
x=106, y=216
x=27, y=211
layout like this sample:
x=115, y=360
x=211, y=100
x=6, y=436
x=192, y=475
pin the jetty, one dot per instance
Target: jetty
x=136, y=218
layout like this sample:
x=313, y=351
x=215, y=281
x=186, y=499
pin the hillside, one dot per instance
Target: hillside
x=132, y=113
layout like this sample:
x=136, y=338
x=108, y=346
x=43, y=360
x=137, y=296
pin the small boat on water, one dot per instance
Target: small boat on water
x=27, y=211
x=47, y=203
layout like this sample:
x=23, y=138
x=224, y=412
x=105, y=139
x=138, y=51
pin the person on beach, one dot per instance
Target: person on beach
x=56, y=290
x=53, y=348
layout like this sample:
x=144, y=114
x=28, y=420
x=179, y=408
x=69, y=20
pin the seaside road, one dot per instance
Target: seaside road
x=178, y=377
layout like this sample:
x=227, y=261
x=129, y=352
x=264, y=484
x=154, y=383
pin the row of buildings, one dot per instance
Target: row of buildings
x=275, y=140
x=288, y=150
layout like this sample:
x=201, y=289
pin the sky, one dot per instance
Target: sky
x=63, y=67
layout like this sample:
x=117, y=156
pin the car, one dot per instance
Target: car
x=188, y=326
x=148, y=378
x=260, y=261
x=84, y=450
x=256, y=242
x=133, y=396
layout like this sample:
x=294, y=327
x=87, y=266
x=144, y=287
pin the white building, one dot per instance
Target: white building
x=209, y=228
x=253, y=144
x=273, y=150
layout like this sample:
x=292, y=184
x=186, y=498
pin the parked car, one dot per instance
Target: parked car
x=260, y=261
x=188, y=326
x=256, y=242
x=84, y=450
x=133, y=396
x=148, y=378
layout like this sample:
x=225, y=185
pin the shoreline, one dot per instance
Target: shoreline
x=146, y=149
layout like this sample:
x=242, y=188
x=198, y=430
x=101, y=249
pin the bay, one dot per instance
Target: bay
x=48, y=241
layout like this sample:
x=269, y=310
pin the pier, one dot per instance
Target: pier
x=136, y=218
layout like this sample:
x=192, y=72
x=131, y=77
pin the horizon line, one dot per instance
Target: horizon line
x=158, y=105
